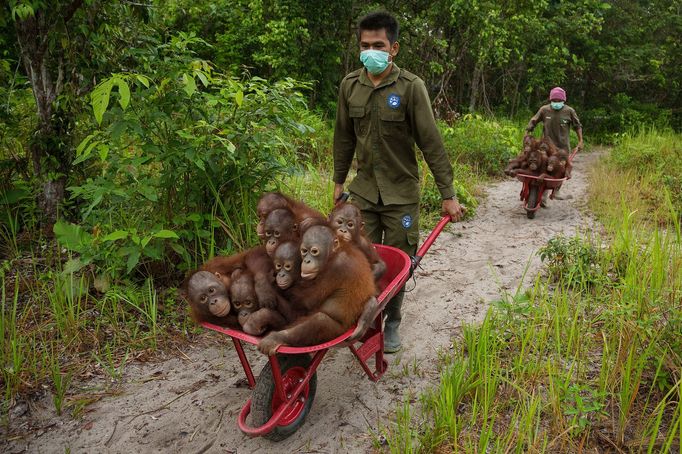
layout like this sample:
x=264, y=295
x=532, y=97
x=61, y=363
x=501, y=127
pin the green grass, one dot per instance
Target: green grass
x=589, y=359
x=652, y=159
x=53, y=328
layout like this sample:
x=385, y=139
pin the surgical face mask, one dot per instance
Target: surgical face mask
x=557, y=105
x=376, y=61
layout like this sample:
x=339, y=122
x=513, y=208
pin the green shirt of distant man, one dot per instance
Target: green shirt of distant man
x=557, y=118
x=382, y=112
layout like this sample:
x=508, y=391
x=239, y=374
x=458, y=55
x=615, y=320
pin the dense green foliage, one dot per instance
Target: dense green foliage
x=182, y=151
x=617, y=59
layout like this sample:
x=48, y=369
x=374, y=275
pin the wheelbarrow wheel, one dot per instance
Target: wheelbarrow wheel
x=532, y=201
x=265, y=402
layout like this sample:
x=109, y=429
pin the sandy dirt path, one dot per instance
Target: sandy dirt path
x=189, y=403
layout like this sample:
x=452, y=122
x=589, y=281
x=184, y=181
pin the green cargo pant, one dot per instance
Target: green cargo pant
x=392, y=225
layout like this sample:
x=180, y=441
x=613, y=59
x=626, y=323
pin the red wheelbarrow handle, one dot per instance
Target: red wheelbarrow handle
x=430, y=239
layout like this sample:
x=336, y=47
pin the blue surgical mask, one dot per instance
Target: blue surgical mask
x=376, y=61
x=557, y=105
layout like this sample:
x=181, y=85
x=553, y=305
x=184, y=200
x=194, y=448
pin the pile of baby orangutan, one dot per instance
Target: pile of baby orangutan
x=310, y=281
x=542, y=159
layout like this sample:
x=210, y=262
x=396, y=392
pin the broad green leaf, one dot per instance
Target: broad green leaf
x=149, y=193
x=72, y=236
x=190, y=84
x=124, y=91
x=85, y=155
x=145, y=241
x=133, y=260
x=202, y=77
x=116, y=235
x=84, y=143
x=103, y=151
x=99, y=99
x=144, y=80
x=166, y=234
x=239, y=98
x=154, y=252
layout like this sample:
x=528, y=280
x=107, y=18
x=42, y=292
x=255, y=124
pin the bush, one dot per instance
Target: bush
x=176, y=165
x=484, y=144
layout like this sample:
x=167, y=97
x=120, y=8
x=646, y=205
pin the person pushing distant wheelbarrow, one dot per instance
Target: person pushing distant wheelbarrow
x=557, y=118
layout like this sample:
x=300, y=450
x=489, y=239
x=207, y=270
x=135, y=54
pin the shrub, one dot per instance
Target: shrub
x=177, y=164
x=484, y=144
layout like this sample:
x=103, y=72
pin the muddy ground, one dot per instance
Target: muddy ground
x=189, y=401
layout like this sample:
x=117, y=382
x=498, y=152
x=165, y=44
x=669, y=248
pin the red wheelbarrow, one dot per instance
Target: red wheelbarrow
x=285, y=389
x=533, y=189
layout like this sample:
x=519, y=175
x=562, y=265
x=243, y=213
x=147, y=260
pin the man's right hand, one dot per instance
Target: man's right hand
x=338, y=190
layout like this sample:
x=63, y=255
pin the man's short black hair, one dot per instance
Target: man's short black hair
x=377, y=21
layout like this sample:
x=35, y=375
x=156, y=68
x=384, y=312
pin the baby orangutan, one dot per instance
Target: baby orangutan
x=254, y=320
x=303, y=214
x=280, y=226
x=287, y=261
x=346, y=220
x=208, y=298
x=555, y=169
x=520, y=160
x=336, y=282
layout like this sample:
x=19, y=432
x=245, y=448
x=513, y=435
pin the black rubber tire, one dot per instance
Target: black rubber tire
x=532, y=201
x=264, y=391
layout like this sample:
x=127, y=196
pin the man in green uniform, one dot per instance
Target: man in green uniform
x=383, y=111
x=557, y=118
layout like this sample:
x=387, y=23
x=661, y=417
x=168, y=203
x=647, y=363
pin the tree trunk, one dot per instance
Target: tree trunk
x=475, y=84
x=46, y=77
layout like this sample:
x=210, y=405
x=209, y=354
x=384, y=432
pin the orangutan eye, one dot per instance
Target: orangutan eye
x=278, y=266
x=211, y=290
x=304, y=251
x=314, y=251
x=287, y=267
x=350, y=225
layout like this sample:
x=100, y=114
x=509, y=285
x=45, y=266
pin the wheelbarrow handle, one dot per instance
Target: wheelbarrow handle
x=430, y=239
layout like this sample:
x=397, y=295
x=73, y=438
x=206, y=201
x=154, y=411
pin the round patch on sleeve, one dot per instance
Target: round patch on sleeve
x=393, y=101
x=407, y=221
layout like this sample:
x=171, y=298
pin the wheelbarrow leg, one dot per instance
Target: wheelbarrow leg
x=372, y=345
x=245, y=362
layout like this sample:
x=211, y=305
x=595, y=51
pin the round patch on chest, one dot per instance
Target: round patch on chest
x=393, y=101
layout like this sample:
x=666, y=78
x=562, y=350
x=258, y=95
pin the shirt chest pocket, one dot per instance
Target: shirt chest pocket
x=359, y=119
x=393, y=123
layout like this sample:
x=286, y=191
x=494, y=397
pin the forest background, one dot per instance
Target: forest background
x=136, y=136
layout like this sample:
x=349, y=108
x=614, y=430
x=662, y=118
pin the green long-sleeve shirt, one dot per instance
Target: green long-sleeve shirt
x=556, y=124
x=381, y=126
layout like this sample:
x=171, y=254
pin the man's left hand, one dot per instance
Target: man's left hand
x=454, y=209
